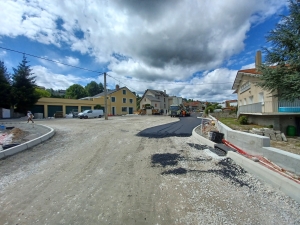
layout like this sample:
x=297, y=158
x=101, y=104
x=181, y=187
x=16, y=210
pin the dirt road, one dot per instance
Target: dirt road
x=100, y=172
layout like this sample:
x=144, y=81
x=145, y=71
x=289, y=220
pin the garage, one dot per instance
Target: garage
x=85, y=108
x=53, y=109
x=38, y=109
x=69, y=109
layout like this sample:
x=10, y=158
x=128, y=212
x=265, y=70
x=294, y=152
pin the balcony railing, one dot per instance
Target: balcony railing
x=271, y=107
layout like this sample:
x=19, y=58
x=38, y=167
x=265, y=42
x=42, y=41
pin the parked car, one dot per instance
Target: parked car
x=97, y=113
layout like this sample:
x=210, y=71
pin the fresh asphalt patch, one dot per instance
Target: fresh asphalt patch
x=226, y=168
x=183, y=128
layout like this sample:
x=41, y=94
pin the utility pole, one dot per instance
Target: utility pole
x=105, y=97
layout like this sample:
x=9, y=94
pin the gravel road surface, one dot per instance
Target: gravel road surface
x=100, y=171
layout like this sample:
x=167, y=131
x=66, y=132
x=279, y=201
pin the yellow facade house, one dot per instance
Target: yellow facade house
x=120, y=101
x=259, y=105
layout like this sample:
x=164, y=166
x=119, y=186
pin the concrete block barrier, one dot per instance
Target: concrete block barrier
x=284, y=159
x=276, y=180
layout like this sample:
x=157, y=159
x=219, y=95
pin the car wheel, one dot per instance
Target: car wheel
x=85, y=117
x=99, y=116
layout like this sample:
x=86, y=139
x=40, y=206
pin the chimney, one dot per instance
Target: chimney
x=258, y=59
x=165, y=91
x=117, y=87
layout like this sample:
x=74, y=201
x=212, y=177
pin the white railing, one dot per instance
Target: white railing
x=251, y=108
x=270, y=107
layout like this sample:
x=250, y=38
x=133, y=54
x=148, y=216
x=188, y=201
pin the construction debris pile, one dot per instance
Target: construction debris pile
x=274, y=135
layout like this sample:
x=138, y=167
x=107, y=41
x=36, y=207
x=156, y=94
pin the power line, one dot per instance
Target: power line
x=122, y=83
x=100, y=73
x=77, y=67
x=178, y=83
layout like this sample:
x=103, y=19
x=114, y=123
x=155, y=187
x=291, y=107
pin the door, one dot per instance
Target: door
x=90, y=114
x=52, y=109
x=130, y=110
x=113, y=110
x=38, y=109
x=70, y=109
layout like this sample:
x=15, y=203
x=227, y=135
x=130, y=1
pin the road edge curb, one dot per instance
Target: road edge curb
x=264, y=174
x=28, y=144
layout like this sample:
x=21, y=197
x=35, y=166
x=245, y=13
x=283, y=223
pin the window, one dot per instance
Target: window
x=124, y=109
x=124, y=92
x=124, y=100
x=246, y=86
x=113, y=99
x=131, y=100
x=245, y=101
x=145, y=99
x=261, y=97
x=251, y=99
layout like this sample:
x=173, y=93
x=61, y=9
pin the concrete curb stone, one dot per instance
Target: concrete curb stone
x=274, y=179
x=28, y=144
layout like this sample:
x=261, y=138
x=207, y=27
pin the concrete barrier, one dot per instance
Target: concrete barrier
x=260, y=145
x=276, y=180
x=28, y=144
x=286, y=160
x=251, y=143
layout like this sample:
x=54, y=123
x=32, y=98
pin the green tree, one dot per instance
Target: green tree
x=138, y=101
x=5, y=87
x=23, y=87
x=98, y=106
x=42, y=93
x=101, y=87
x=75, y=91
x=92, y=88
x=283, y=80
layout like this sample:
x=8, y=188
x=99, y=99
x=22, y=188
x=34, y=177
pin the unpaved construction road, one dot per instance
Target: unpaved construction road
x=99, y=171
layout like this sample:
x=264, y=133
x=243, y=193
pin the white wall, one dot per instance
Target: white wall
x=5, y=113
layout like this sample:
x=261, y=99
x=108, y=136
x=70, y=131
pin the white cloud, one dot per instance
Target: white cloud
x=71, y=60
x=163, y=41
x=249, y=66
x=2, y=53
x=46, y=78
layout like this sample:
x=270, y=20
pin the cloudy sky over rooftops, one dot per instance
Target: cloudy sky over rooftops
x=189, y=48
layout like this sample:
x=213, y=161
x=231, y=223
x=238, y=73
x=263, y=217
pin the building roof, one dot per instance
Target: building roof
x=102, y=93
x=157, y=92
x=196, y=103
x=231, y=100
x=241, y=73
x=151, y=98
x=108, y=93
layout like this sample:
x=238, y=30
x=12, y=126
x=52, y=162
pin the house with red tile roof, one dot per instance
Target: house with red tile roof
x=259, y=105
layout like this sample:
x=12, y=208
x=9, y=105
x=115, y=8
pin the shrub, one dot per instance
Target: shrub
x=243, y=120
x=270, y=126
x=206, y=111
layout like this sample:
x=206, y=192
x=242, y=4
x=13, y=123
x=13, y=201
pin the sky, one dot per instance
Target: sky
x=190, y=48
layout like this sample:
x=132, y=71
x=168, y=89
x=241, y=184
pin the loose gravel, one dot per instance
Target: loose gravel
x=101, y=172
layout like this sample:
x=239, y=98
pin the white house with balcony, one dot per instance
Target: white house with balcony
x=261, y=106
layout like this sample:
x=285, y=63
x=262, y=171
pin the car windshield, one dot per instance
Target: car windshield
x=174, y=108
x=86, y=111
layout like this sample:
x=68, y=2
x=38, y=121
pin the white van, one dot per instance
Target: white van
x=97, y=113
